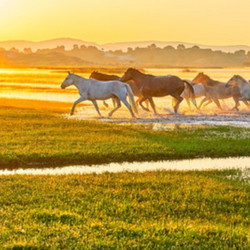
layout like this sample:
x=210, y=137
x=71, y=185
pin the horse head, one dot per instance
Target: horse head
x=129, y=74
x=201, y=78
x=234, y=81
x=69, y=80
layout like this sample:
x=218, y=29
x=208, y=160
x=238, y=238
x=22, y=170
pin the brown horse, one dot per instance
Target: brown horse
x=216, y=90
x=105, y=77
x=158, y=86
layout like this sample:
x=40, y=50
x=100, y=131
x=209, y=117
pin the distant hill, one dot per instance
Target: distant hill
x=48, y=44
x=74, y=52
x=161, y=44
x=69, y=42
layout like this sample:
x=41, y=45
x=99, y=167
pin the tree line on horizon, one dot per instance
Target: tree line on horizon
x=150, y=56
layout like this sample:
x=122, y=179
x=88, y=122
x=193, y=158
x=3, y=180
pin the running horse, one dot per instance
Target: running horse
x=216, y=90
x=199, y=91
x=243, y=85
x=105, y=77
x=158, y=86
x=92, y=90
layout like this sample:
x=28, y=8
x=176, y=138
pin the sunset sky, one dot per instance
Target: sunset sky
x=213, y=22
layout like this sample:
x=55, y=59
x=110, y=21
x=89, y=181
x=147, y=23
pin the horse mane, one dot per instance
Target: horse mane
x=207, y=76
x=138, y=71
x=211, y=82
x=241, y=78
x=238, y=76
x=102, y=76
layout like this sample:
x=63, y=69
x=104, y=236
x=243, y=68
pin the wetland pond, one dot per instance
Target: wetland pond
x=242, y=163
x=44, y=85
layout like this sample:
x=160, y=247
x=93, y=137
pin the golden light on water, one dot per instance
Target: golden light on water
x=39, y=86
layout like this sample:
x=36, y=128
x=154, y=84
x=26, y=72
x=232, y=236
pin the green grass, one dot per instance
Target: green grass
x=36, y=138
x=151, y=210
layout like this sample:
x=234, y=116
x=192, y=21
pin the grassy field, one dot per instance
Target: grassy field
x=39, y=137
x=151, y=210
x=164, y=209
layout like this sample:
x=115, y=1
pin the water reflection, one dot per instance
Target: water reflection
x=242, y=163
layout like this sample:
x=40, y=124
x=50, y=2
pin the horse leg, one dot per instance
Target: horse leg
x=152, y=105
x=177, y=104
x=105, y=104
x=137, y=102
x=188, y=102
x=114, y=101
x=205, y=99
x=209, y=101
x=236, y=103
x=125, y=102
x=117, y=107
x=217, y=103
x=246, y=103
x=147, y=104
x=96, y=107
x=81, y=99
x=142, y=99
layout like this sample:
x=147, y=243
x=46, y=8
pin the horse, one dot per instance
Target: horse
x=105, y=77
x=92, y=90
x=199, y=91
x=158, y=86
x=216, y=90
x=242, y=84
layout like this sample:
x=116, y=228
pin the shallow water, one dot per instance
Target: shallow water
x=242, y=163
x=167, y=120
x=36, y=89
x=52, y=79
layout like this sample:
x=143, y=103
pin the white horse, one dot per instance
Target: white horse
x=92, y=90
x=242, y=84
x=199, y=90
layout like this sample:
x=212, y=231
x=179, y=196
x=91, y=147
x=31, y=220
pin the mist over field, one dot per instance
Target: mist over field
x=75, y=52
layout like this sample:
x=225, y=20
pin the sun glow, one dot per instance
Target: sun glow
x=126, y=20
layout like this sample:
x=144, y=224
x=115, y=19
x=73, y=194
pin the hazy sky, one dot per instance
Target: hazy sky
x=217, y=22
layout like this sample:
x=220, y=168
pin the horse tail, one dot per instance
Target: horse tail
x=191, y=92
x=131, y=98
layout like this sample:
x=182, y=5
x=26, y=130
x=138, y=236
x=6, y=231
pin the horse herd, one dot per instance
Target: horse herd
x=145, y=86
